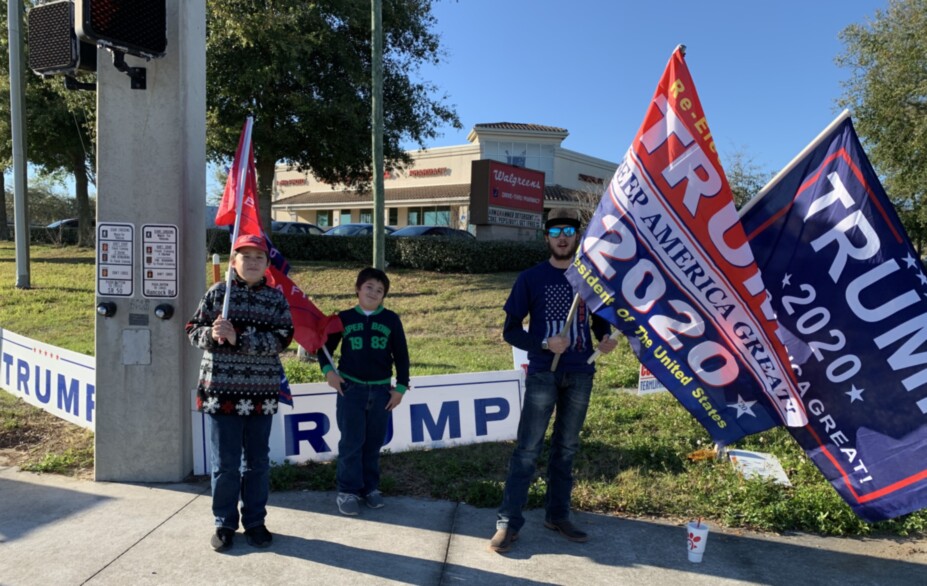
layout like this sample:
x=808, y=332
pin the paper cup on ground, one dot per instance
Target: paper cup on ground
x=697, y=536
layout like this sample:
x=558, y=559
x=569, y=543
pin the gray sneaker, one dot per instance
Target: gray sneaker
x=348, y=504
x=374, y=499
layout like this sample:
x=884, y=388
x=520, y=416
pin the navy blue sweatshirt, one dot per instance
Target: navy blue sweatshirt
x=372, y=344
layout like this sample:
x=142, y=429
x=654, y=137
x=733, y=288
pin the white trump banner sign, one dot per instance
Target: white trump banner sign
x=56, y=380
x=437, y=412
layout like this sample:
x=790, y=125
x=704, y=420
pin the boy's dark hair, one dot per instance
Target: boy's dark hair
x=372, y=274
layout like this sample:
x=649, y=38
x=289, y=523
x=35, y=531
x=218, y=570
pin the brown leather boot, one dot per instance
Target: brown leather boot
x=502, y=541
x=568, y=530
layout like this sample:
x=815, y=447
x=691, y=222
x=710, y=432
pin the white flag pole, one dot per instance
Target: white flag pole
x=566, y=328
x=785, y=170
x=244, y=162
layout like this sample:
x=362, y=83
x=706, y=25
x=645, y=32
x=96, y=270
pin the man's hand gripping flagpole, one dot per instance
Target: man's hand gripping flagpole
x=597, y=352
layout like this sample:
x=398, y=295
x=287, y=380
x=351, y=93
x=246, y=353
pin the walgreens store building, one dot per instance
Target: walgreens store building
x=499, y=186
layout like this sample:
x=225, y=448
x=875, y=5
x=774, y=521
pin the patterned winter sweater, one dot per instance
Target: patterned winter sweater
x=243, y=379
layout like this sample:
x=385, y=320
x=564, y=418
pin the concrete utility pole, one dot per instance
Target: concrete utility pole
x=17, y=93
x=376, y=34
x=151, y=185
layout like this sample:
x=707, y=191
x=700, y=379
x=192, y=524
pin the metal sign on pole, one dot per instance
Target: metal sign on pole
x=17, y=92
x=379, y=223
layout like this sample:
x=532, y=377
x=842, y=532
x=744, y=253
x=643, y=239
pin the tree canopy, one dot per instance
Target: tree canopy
x=303, y=70
x=745, y=176
x=887, y=97
x=59, y=127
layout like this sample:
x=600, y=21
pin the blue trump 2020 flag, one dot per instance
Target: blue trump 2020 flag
x=849, y=287
x=665, y=259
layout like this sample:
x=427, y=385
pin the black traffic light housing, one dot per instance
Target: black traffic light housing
x=136, y=27
x=53, y=45
x=64, y=35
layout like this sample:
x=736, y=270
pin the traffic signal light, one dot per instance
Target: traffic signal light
x=136, y=27
x=53, y=46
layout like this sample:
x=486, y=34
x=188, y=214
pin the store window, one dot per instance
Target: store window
x=539, y=157
x=345, y=217
x=323, y=219
x=430, y=216
x=366, y=217
x=393, y=216
x=440, y=216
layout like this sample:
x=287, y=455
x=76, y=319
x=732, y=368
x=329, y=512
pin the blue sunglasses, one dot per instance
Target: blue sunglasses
x=566, y=231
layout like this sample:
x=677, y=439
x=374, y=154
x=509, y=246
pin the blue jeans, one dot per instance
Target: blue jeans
x=569, y=393
x=240, y=468
x=362, y=419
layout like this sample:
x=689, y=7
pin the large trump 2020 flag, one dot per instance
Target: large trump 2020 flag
x=665, y=259
x=849, y=286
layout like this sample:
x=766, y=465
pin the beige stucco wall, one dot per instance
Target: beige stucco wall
x=446, y=166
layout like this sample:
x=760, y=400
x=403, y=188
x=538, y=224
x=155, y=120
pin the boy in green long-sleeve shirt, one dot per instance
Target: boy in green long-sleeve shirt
x=372, y=342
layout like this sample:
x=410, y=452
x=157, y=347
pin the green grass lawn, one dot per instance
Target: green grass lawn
x=634, y=459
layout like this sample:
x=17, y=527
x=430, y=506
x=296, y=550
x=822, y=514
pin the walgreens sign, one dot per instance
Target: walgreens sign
x=506, y=195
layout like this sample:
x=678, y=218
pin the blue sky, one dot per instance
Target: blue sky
x=765, y=71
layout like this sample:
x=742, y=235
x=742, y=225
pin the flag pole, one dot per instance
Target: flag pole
x=566, y=328
x=244, y=164
x=330, y=359
x=785, y=170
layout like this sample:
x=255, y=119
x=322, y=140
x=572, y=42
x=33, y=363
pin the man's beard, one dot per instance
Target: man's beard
x=556, y=253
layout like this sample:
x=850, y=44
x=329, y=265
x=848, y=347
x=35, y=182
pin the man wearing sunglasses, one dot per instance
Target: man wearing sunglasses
x=543, y=294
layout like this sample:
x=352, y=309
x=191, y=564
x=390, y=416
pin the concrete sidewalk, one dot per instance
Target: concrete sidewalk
x=60, y=531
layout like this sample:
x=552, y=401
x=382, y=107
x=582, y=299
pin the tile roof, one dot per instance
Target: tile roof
x=395, y=194
x=519, y=126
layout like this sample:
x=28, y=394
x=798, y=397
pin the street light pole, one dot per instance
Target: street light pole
x=376, y=93
x=17, y=91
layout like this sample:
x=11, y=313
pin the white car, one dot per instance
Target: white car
x=295, y=228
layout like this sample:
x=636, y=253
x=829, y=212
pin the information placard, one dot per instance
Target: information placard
x=159, y=260
x=115, y=259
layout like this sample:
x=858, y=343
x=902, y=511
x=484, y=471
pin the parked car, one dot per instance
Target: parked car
x=440, y=231
x=67, y=223
x=355, y=230
x=295, y=228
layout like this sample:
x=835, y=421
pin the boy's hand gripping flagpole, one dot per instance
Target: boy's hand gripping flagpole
x=243, y=167
x=566, y=328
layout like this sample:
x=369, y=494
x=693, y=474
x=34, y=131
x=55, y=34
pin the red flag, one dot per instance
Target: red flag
x=250, y=219
x=311, y=326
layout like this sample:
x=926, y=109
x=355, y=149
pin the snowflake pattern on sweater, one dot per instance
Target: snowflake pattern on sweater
x=243, y=379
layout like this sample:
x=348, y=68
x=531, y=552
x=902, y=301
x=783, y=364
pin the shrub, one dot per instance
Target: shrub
x=425, y=253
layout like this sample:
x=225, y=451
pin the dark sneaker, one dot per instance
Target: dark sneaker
x=568, y=530
x=348, y=504
x=502, y=541
x=374, y=499
x=222, y=539
x=258, y=536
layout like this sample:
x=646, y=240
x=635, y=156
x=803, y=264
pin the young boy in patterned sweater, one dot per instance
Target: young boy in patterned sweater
x=373, y=342
x=238, y=389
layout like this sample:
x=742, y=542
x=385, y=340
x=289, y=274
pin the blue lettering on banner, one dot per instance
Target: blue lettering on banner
x=483, y=416
x=313, y=427
x=43, y=397
x=68, y=401
x=295, y=434
x=32, y=380
x=448, y=416
x=315, y=435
